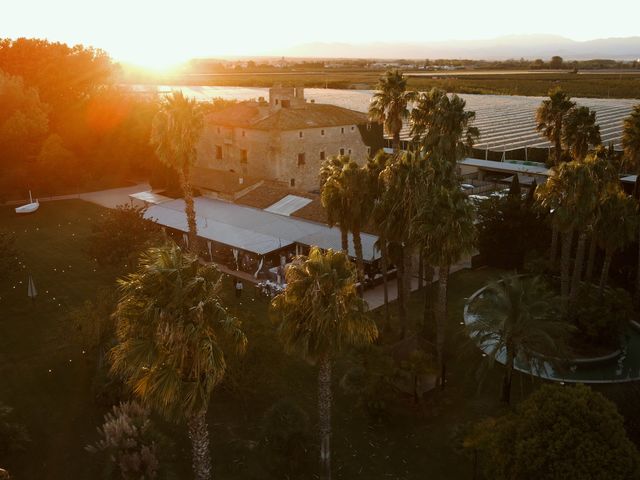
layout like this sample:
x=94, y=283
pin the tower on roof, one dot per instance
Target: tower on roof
x=286, y=97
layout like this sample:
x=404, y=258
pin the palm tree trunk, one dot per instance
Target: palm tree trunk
x=344, y=237
x=357, y=246
x=427, y=294
x=508, y=376
x=441, y=321
x=604, y=275
x=199, y=436
x=402, y=314
x=324, y=415
x=396, y=142
x=385, y=286
x=189, y=207
x=567, y=240
x=591, y=259
x=554, y=248
x=406, y=279
x=421, y=269
x=558, y=140
x=577, y=268
x=638, y=272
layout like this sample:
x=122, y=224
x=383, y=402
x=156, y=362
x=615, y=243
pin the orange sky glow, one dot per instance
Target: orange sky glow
x=159, y=34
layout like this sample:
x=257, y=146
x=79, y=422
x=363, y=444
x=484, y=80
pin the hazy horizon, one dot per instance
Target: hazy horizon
x=157, y=34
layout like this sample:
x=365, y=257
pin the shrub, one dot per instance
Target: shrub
x=601, y=321
x=285, y=430
x=558, y=433
x=128, y=443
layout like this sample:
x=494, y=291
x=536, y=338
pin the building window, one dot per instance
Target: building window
x=369, y=151
x=322, y=155
x=368, y=125
x=342, y=151
x=243, y=156
x=353, y=128
x=349, y=152
x=292, y=182
x=301, y=159
x=286, y=103
x=243, y=133
x=300, y=134
x=341, y=129
x=218, y=130
x=322, y=132
x=277, y=101
x=218, y=152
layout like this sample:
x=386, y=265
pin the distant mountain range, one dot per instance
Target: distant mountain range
x=513, y=46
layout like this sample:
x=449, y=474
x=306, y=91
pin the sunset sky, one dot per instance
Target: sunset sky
x=161, y=33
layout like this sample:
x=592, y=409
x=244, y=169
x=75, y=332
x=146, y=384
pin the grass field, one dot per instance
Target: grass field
x=594, y=85
x=58, y=408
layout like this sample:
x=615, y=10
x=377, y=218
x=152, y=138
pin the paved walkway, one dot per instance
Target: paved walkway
x=375, y=296
x=110, y=198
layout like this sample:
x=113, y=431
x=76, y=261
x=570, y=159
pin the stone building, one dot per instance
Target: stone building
x=284, y=139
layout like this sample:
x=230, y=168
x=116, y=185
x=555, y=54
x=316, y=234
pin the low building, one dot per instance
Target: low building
x=285, y=139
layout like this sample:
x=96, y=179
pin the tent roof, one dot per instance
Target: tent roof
x=253, y=230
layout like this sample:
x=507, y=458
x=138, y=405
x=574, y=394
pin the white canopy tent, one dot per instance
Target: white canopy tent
x=254, y=230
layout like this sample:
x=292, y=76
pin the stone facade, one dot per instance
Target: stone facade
x=285, y=139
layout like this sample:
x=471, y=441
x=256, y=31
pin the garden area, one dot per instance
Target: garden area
x=52, y=384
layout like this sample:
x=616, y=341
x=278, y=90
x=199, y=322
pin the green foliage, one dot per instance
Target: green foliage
x=173, y=332
x=601, y=321
x=509, y=229
x=121, y=234
x=558, y=433
x=13, y=436
x=129, y=444
x=286, y=437
x=57, y=165
x=370, y=382
x=320, y=311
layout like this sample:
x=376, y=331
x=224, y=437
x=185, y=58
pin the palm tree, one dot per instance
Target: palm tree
x=440, y=125
x=390, y=104
x=579, y=131
x=172, y=331
x=175, y=133
x=318, y=314
x=449, y=231
x=333, y=197
x=550, y=118
x=516, y=320
x=631, y=145
x=347, y=197
x=617, y=226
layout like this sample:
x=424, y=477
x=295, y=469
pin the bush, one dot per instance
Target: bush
x=285, y=429
x=509, y=229
x=601, y=321
x=121, y=235
x=558, y=433
x=128, y=443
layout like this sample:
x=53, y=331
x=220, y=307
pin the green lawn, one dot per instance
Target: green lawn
x=59, y=411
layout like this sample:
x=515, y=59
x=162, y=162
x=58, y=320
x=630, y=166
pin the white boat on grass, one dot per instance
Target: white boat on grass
x=29, y=207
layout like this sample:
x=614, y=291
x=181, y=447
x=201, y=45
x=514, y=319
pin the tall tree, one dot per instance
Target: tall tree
x=580, y=130
x=631, y=145
x=318, y=314
x=175, y=134
x=173, y=335
x=517, y=321
x=550, y=118
x=390, y=103
x=450, y=234
x=346, y=195
x=617, y=226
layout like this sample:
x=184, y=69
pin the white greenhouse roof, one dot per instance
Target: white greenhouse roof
x=288, y=205
x=507, y=167
x=253, y=230
x=150, y=197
